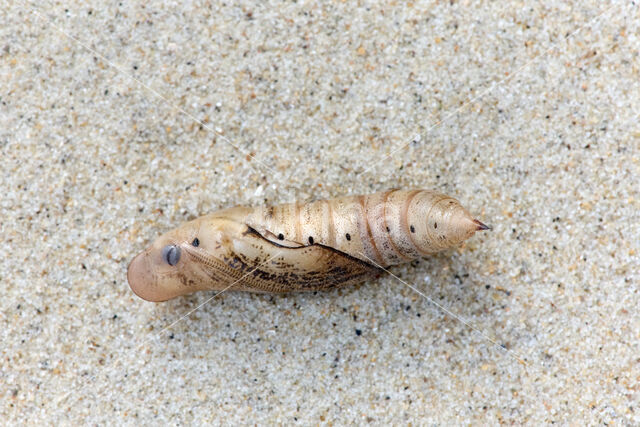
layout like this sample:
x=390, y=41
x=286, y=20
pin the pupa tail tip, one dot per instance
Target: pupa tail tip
x=481, y=226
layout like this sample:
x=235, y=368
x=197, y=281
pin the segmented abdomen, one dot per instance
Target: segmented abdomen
x=387, y=228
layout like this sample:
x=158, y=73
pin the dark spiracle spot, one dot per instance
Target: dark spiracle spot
x=413, y=229
x=348, y=236
x=435, y=225
x=171, y=254
x=310, y=240
x=280, y=236
x=195, y=242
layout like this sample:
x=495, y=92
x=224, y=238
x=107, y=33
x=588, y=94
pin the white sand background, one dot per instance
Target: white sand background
x=121, y=120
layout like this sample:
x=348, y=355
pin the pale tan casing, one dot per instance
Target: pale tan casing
x=298, y=247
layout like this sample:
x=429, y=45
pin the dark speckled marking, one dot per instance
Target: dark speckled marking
x=279, y=274
x=278, y=277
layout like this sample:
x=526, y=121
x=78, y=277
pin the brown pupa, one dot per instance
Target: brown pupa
x=300, y=246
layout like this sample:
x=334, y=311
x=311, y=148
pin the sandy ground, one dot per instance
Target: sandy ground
x=119, y=121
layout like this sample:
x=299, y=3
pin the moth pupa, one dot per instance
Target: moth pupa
x=300, y=246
